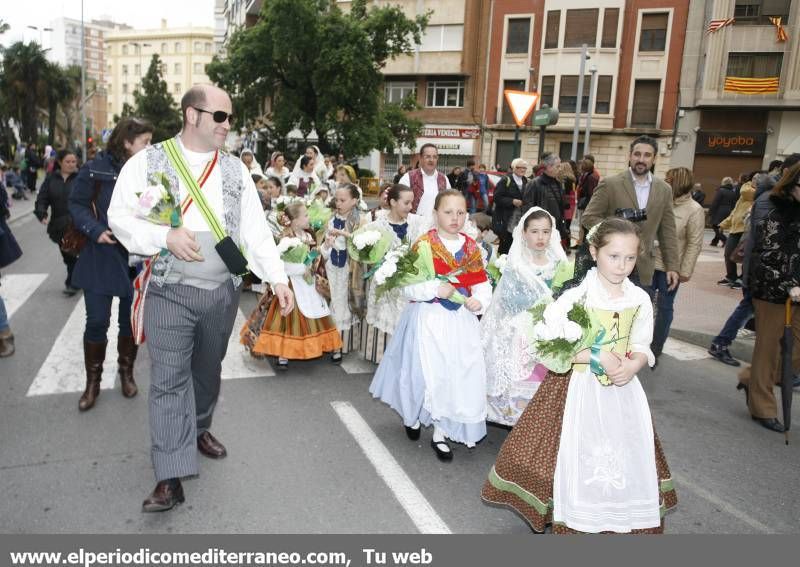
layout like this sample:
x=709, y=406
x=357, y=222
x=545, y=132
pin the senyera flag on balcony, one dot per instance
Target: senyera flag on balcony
x=782, y=35
x=715, y=25
x=749, y=85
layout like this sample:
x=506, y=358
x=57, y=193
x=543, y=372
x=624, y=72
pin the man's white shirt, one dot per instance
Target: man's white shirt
x=431, y=189
x=142, y=237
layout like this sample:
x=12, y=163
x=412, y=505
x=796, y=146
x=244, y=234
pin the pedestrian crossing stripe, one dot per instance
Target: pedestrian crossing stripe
x=63, y=370
x=15, y=289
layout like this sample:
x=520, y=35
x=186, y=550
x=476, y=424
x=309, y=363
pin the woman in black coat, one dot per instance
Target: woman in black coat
x=54, y=195
x=774, y=277
x=102, y=270
x=508, y=203
x=722, y=205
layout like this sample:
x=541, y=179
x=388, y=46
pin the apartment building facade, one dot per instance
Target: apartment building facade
x=740, y=88
x=635, y=49
x=184, y=54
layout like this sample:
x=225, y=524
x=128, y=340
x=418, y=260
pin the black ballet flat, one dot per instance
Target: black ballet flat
x=282, y=364
x=336, y=358
x=412, y=433
x=444, y=456
x=770, y=423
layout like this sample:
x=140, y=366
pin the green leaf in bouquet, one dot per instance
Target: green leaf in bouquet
x=565, y=271
x=296, y=255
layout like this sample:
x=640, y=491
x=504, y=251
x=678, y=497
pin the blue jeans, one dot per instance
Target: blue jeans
x=473, y=202
x=736, y=320
x=3, y=316
x=98, y=316
x=665, y=301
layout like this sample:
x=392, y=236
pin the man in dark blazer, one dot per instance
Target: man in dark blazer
x=638, y=188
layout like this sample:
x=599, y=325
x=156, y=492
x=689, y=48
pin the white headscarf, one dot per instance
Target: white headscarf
x=520, y=257
x=319, y=164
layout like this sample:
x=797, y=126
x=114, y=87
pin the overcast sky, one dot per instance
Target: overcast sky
x=140, y=14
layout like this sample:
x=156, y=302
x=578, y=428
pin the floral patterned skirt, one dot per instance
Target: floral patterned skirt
x=294, y=337
x=522, y=477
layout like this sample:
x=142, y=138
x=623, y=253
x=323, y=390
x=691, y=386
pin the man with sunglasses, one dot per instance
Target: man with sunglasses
x=192, y=296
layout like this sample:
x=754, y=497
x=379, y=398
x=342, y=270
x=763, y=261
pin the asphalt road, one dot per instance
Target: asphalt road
x=296, y=442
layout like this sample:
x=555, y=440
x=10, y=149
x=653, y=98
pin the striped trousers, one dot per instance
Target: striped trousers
x=187, y=330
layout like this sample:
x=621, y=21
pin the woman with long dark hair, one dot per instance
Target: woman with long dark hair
x=53, y=195
x=102, y=270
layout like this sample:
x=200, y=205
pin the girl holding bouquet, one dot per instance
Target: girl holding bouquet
x=383, y=313
x=347, y=296
x=512, y=371
x=584, y=455
x=308, y=331
x=433, y=372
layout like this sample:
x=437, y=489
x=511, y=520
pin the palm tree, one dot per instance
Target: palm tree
x=60, y=89
x=24, y=68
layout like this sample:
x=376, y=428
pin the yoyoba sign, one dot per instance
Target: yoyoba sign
x=731, y=143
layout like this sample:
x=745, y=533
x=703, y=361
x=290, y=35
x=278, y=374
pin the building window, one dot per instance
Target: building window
x=124, y=49
x=565, y=151
x=162, y=68
x=654, y=32
x=177, y=69
x=551, y=34
x=397, y=91
x=177, y=88
x=546, y=90
x=208, y=47
x=507, y=117
x=124, y=88
x=568, y=93
x=198, y=68
x=602, y=99
x=505, y=153
x=581, y=27
x=610, y=21
x=124, y=69
x=645, y=103
x=757, y=12
x=177, y=47
x=443, y=38
x=519, y=34
x=137, y=69
x=163, y=48
x=754, y=65
x=443, y=94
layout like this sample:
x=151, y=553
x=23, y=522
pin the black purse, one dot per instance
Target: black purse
x=232, y=256
x=9, y=247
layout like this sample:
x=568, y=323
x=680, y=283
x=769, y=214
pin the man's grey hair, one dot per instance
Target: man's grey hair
x=550, y=159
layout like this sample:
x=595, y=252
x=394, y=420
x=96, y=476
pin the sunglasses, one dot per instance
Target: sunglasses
x=219, y=116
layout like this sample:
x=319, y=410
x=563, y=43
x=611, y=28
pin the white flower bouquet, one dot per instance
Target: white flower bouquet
x=560, y=331
x=369, y=245
x=157, y=204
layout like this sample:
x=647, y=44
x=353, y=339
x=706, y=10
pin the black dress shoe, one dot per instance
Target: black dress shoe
x=165, y=496
x=210, y=447
x=770, y=423
x=722, y=354
x=443, y=455
x=413, y=433
x=336, y=357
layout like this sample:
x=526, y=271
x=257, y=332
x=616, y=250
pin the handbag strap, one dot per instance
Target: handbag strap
x=182, y=169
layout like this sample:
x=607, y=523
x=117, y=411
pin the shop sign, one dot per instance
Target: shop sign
x=731, y=143
x=460, y=133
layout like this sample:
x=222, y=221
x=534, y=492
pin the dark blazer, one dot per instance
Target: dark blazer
x=722, y=205
x=54, y=195
x=504, y=194
x=548, y=193
x=101, y=268
x=617, y=192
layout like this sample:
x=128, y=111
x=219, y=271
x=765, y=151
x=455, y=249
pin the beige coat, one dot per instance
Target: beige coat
x=617, y=192
x=735, y=221
x=690, y=220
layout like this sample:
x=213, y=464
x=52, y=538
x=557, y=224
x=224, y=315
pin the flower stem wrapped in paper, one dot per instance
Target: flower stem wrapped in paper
x=408, y=265
x=560, y=332
x=318, y=215
x=157, y=204
x=293, y=251
x=369, y=245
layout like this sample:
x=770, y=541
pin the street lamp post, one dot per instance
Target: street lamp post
x=593, y=71
x=83, y=89
x=578, y=103
x=41, y=34
x=139, y=47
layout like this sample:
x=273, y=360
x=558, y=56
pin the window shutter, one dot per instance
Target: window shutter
x=610, y=21
x=553, y=25
x=581, y=27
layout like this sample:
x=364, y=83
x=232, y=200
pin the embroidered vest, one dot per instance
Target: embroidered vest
x=232, y=187
x=418, y=185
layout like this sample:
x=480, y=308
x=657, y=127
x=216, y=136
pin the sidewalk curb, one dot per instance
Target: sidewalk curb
x=740, y=349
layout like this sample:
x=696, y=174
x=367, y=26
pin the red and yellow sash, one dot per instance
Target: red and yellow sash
x=471, y=264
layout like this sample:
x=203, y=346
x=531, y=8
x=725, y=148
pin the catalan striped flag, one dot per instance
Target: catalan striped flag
x=715, y=25
x=752, y=86
x=782, y=35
